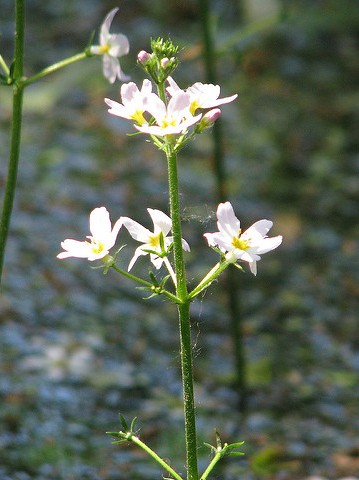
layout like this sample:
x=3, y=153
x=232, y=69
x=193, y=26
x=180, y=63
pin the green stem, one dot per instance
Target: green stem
x=209, y=278
x=4, y=66
x=156, y=457
x=184, y=320
x=211, y=465
x=56, y=66
x=10, y=186
x=149, y=285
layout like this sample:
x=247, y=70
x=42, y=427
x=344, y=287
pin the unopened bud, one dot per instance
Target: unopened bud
x=143, y=57
x=164, y=62
x=209, y=118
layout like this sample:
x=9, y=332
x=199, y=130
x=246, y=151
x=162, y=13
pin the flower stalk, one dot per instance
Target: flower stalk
x=18, y=91
x=184, y=320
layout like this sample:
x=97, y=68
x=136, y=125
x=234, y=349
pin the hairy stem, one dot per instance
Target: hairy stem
x=184, y=320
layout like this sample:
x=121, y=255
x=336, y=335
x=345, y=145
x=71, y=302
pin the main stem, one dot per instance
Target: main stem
x=184, y=320
x=18, y=91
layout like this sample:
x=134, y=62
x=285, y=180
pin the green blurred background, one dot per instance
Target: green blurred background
x=77, y=347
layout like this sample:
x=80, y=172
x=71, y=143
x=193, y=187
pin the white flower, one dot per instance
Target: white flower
x=112, y=47
x=155, y=241
x=100, y=242
x=202, y=95
x=246, y=246
x=171, y=119
x=132, y=107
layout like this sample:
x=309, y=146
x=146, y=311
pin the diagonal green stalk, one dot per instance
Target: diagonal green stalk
x=18, y=91
x=184, y=319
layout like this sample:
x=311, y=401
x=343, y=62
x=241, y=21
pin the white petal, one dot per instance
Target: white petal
x=173, y=87
x=136, y=230
x=100, y=224
x=119, y=45
x=262, y=227
x=114, y=233
x=228, y=223
x=117, y=109
x=138, y=253
x=161, y=221
x=157, y=261
x=269, y=244
x=105, y=27
x=74, y=248
x=110, y=68
x=179, y=104
x=253, y=267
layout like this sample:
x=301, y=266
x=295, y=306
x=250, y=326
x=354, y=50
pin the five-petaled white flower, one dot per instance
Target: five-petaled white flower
x=246, y=246
x=132, y=107
x=112, y=46
x=156, y=241
x=171, y=119
x=202, y=95
x=102, y=239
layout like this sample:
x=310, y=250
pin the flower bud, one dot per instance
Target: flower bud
x=143, y=57
x=164, y=62
x=208, y=119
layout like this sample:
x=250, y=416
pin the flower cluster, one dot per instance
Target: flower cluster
x=232, y=243
x=155, y=117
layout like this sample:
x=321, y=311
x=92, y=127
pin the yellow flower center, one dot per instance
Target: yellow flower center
x=104, y=49
x=97, y=247
x=168, y=123
x=154, y=240
x=193, y=107
x=138, y=117
x=239, y=243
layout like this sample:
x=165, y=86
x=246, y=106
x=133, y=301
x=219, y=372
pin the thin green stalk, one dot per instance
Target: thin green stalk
x=184, y=320
x=56, y=66
x=10, y=186
x=149, y=285
x=209, y=278
x=156, y=457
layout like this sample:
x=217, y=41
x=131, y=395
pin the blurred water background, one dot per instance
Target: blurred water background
x=77, y=347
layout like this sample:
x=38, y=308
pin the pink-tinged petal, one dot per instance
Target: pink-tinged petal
x=179, y=104
x=136, y=230
x=100, y=224
x=96, y=50
x=119, y=45
x=228, y=223
x=269, y=244
x=117, y=109
x=105, y=27
x=154, y=105
x=173, y=87
x=129, y=91
x=185, y=245
x=161, y=221
x=146, y=87
x=223, y=241
x=110, y=67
